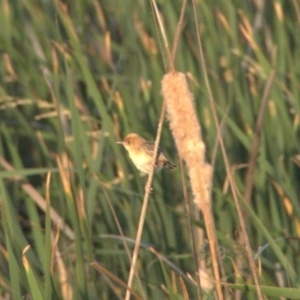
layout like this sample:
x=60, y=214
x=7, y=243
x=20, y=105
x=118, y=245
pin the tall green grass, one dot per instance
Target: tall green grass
x=75, y=77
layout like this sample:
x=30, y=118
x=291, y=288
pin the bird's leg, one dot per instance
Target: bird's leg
x=148, y=189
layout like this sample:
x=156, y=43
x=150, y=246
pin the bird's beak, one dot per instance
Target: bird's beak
x=121, y=142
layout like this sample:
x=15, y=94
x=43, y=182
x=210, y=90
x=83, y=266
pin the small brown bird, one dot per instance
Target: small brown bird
x=141, y=152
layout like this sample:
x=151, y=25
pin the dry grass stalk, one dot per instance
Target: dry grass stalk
x=38, y=199
x=191, y=148
x=144, y=208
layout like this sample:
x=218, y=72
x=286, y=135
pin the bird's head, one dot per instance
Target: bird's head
x=132, y=141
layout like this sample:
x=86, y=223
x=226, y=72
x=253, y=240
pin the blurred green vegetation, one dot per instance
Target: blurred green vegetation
x=75, y=77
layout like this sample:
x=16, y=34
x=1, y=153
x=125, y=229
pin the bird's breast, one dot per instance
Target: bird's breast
x=141, y=160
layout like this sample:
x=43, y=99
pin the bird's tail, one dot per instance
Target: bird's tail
x=168, y=165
